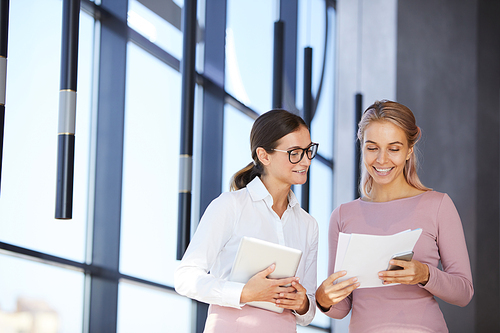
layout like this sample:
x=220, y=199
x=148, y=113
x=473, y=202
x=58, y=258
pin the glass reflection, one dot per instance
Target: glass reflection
x=148, y=310
x=321, y=206
x=30, y=144
x=150, y=168
x=39, y=297
x=236, y=147
x=311, y=33
x=249, y=51
x=159, y=22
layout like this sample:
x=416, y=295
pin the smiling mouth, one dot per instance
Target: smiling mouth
x=301, y=171
x=383, y=171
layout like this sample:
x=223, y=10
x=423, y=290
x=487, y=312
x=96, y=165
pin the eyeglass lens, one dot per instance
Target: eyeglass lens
x=296, y=155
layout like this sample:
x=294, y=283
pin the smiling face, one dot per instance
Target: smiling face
x=278, y=168
x=385, y=151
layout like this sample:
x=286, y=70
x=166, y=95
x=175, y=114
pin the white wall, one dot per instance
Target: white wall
x=366, y=64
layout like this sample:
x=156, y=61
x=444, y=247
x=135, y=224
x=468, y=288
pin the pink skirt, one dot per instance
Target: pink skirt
x=248, y=320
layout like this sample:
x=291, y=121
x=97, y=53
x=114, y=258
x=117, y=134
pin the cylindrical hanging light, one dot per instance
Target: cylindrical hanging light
x=279, y=31
x=307, y=115
x=187, y=126
x=67, y=110
x=358, y=105
x=4, y=34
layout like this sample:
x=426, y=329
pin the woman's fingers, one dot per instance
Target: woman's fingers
x=413, y=272
x=334, y=277
x=330, y=293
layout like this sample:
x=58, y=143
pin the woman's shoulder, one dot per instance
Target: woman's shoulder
x=346, y=208
x=436, y=197
x=233, y=196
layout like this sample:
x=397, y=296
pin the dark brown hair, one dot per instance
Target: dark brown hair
x=267, y=129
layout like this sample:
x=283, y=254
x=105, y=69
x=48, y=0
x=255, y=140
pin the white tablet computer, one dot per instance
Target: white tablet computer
x=255, y=255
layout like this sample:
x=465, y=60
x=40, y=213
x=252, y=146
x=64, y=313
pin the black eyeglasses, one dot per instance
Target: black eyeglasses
x=296, y=155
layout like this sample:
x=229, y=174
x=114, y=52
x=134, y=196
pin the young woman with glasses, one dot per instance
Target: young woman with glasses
x=394, y=200
x=260, y=205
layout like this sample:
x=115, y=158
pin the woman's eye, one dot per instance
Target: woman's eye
x=294, y=153
x=394, y=149
x=371, y=148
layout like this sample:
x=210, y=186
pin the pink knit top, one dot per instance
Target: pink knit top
x=407, y=308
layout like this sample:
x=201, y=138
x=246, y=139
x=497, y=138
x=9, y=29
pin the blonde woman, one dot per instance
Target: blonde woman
x=393, y=200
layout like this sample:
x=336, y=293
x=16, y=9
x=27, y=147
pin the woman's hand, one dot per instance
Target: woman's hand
x=260, y=288
x=413, y=272
x=329, y=294
x=296, y=300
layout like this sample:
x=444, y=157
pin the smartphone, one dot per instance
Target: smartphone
x=406, y=256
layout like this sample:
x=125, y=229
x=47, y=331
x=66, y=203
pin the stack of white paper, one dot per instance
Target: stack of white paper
x=364, y=256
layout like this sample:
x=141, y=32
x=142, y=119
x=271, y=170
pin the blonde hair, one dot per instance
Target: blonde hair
x=402, y=117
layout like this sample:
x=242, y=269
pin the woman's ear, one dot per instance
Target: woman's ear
x=263, y=156
x=409, y=153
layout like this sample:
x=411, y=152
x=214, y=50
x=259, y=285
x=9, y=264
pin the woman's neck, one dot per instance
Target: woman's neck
x=389, y=192
x=279, y=192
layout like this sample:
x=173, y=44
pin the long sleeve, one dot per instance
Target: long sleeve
x=341, y=309
x=454, y=283
x=192, y=277
x=310, y=279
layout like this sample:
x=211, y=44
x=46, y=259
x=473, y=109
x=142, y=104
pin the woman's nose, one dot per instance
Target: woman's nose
x=381, y=157
x=305, y=161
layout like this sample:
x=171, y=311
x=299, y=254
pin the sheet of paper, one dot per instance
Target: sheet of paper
x=342, y=245
x=366, y=255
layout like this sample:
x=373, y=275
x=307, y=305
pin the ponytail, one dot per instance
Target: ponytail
x=241, y=178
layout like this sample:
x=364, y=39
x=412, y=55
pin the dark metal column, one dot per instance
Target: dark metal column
x=307, y=116
x=358, y=109
x=4, y=34
x=213, y=117
x=102, y=307
x=67, y=110
x=188, y=71
x=289, y=15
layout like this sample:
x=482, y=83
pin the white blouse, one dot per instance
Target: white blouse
x=204, y=270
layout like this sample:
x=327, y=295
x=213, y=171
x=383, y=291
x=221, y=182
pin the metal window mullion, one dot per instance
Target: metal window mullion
x=289, y=15
x=102, y=300
x=213, y=116
x=4, y=34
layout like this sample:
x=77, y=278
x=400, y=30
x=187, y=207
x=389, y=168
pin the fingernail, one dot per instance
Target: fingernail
x=355, y=279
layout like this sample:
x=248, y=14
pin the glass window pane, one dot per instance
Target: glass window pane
x=320, y=206
x=27, y=205
x=150, y=168
x=249, y=51
x=149, y=310
x=36, y=297
x=311, y=33
x=236, y=152
x=159, y=22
